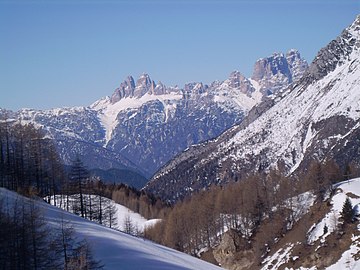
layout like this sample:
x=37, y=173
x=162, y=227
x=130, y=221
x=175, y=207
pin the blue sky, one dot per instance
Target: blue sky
x=71, y=53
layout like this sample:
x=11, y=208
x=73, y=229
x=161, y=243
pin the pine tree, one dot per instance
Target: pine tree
x=347, y=212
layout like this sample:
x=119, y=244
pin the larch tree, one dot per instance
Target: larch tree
x=79, y=176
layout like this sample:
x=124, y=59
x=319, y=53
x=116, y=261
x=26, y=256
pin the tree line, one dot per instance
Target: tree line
x=147, y=205
x=246, y=208
x=91, y=198
x=29, y=162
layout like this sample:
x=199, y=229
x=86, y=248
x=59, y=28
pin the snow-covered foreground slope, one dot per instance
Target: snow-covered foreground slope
x=349, y=259
x=118, y=251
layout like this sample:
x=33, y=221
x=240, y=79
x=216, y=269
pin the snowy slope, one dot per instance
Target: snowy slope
x=350, y=258
x=115, y=249
x=334, y=95
x=318, y=117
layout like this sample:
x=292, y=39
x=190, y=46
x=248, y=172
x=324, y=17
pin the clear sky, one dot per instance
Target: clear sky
x=73, y=52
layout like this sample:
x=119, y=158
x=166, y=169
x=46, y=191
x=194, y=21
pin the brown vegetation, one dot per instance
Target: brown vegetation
x=258, y=211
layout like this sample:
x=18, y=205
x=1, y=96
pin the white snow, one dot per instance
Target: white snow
x=108, y=112
x=347, y=261
x=123, y=212
x=115, y=249
x=256, y=95
x=227, y=94
x=280, y=257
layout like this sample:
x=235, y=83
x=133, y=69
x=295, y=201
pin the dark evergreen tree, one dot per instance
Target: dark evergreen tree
x=347, y=212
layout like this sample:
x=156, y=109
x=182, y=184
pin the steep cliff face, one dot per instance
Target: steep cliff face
x=279, y=70
x=315, y=118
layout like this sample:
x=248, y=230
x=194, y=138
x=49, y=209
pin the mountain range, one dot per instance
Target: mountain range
x=129, y=135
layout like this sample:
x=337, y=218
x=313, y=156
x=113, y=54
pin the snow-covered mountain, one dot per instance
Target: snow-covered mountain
x=115, y=249
x=144, y=124
x=315, y=118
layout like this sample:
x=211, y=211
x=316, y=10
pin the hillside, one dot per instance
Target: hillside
x=319, y=239
x=116, y=250
x=331, y=249
x=315, y=118
x=268, y=222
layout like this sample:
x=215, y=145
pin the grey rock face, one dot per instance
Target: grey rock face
x=144, y=85
x=126, y=89
x=76, y=131
x=278, y=71
x=237, y=80
x=154, y=134
x=335, y=53
x=296, y=64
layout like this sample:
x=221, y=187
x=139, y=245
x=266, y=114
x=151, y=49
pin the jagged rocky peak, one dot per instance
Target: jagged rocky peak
x=195, y=88
x=335, y=53
x=296, y=64
x=126, y=89
x=278, y=71
x=143, y=85
x=239, y=81
x=270, y=66
x=317, y=120
x=160, y=89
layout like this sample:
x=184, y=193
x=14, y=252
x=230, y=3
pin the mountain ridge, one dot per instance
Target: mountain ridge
x=315, y=118
x=144, y=124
